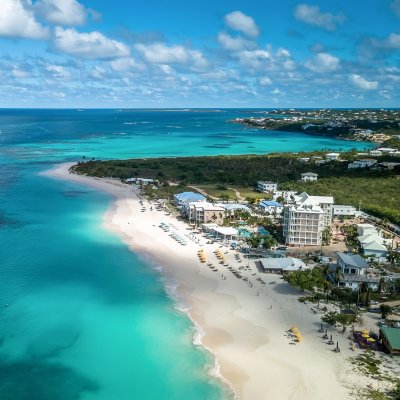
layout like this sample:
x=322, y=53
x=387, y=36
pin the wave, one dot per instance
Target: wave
x=130, y=123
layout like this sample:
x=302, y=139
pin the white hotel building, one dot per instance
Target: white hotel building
x=306, y=218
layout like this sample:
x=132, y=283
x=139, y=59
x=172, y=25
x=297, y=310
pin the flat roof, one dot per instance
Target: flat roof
x=271, y=203
x=393, y=337
x=226, y=231
x=284, y=263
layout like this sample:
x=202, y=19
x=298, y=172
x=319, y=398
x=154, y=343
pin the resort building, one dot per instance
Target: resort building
x=306, y=219
x=142, y=181
x=372, y=243
x=186, y=197
x=345, y=211
x=266, y=187
x=365, y=229
x=200, y=212
x=364, y=163
x=284, y=195
x=332, y=156
x=230, y=208
x=353, y=269
x=391, y=340
x=388, y=165
x=375, y=153
x=309, y=177
x=273, y=265
x=271, y=207
x=352, y=264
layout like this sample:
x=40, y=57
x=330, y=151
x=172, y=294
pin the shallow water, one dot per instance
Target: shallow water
x=82, y=317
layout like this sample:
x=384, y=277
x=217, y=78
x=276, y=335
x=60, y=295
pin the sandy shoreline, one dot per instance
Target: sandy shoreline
x=244, y=330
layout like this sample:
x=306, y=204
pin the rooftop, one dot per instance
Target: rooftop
x=308, y=174
x=189, y=195
x=393, y=336
x=284, y=264
x=270, y=203
x=354, y=260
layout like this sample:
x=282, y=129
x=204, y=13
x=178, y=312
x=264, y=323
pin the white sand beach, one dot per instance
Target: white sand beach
x=244, y=326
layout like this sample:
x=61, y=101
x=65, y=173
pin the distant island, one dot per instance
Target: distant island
x=376, y=126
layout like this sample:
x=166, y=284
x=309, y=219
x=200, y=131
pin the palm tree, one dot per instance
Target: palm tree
x=338, y=275
x=385, y=310
x=381, y=285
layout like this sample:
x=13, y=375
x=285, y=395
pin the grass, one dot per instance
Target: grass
x=217, y=191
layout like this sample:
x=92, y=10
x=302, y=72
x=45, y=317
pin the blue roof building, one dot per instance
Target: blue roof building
x=271, y=207
x=187, y=197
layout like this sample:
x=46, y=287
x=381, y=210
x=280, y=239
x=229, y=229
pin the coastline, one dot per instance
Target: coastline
x=244, y=331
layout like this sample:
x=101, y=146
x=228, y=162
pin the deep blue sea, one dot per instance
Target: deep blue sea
x=82, y=317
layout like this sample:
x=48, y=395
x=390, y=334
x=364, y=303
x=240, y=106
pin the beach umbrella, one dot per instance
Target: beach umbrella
x=365, y=335
x=371, y=340
x=294, y=328
x=365, y=331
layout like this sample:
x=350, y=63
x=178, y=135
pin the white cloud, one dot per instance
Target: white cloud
x=238, y=21
x=97, y=73
x=19, y=73
x=125, y=64
x=88, y=45
x=323, y=62
x=265, y=81
x=159, y=53
x=17, y=20
x=395, y=5
x=392, y=42
x=234, y=43
x=57, y=71
x=361, y=83
x=313, y=16
x=62, y=12
x=255, y=59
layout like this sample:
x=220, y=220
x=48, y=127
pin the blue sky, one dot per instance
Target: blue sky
x=220, y=53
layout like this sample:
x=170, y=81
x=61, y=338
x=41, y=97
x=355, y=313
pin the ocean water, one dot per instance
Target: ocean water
x=82, y=317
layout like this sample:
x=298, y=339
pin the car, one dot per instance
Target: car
x=382, y=324
x=374, y=310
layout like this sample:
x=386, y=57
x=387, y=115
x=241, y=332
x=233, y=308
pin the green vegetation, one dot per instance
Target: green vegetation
x=368, y=363
x=309, y=279
x=376, y=191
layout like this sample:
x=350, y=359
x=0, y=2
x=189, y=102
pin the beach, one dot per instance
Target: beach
x=243, y=323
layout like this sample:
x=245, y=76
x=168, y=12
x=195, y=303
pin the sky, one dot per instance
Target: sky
x=209, y=53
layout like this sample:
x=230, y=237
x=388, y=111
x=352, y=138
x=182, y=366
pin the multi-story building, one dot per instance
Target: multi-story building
x=306, y=218
x=266, y=187
x=200, y=212
x=309, y=177
x=364, y=163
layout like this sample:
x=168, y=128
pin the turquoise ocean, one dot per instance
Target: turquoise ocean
x=81, y=316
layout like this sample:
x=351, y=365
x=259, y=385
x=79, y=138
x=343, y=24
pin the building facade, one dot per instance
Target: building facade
x=306, y=219
x=266, y=187
x=309, y=177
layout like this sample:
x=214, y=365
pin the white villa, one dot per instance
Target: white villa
x=271, y=207
x=266, y=187
x=372, y=243
x=364, y=163
x=343, y=210
x=306, y=219
x=332, y=156
x=353, y=270
x=309, y=177
x=199, y=212
x=287, y=195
